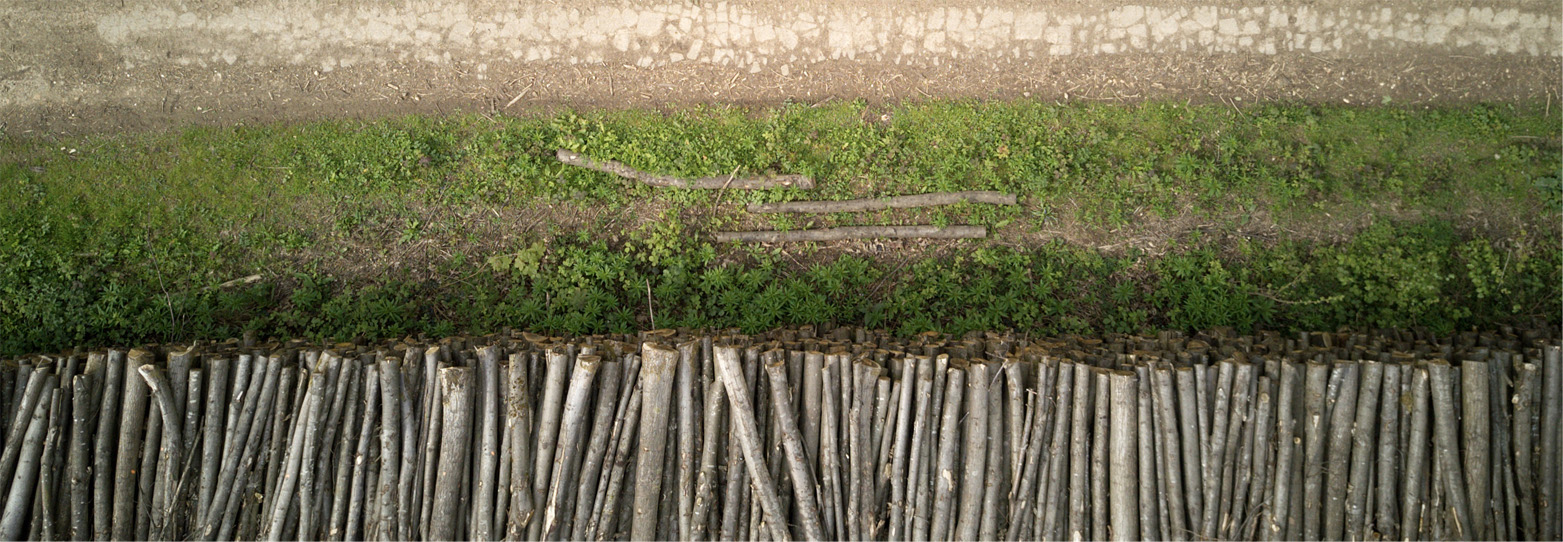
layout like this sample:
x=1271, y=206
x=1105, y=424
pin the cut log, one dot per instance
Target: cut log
x=888, y=202
x=855, y=232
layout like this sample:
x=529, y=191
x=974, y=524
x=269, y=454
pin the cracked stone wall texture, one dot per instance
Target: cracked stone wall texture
x=780, y=38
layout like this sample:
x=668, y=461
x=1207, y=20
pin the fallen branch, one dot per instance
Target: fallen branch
x=710, y=183
x=856, y=232
x=889, y=202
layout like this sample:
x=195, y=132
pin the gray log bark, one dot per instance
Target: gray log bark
x=855, y=232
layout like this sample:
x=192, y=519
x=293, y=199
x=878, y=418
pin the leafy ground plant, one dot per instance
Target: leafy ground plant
x=1131, y=217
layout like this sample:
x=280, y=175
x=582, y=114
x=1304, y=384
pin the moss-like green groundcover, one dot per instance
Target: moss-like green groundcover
x=121, y=238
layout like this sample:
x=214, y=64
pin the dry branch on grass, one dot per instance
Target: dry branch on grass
x=668, y=181
x=888, y=202
x=856, y=232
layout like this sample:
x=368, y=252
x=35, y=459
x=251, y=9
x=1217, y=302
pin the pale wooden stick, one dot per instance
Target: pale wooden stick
x=886, y=202
x=749, y=440
x=843, y=233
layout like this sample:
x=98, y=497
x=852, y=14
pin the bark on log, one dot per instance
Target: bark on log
x=887, y=202
x=659, y=365
x=800, y=472
x=1445, y=434
x=173, y=444
x=19, y=500
x=1476, y=443
x=1416, y=455
x=949, y=451
x=1124, y=457
x=974, y=452
x=132, y=425
x=570, y=428
x=855, y=232
x=1363, y=429
x=665, y=181
x=749, y=440
x=455, y=392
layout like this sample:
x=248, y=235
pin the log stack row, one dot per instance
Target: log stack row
x=818, y=434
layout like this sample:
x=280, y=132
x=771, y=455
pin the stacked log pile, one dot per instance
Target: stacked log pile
x=844, y=434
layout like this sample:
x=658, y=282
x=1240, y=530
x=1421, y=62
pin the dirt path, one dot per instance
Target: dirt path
x=145, y=64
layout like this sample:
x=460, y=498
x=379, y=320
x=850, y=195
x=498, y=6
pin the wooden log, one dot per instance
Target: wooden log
x=46, y=508
x=485, y=477
x=684, y=389
x=1123, y=430
x=1100, y=510
x=359, y=494
x=799, y=470
x=973, y=452
x=146, y=476
x=901, y=450
x=711, y=441
x=1286, y=433
x=550, y=408
x=1254, y=457
x=408, y=477
x=843, y=233
x=1024, y=515
x=949, y=451
x=571, y=425
x=597, y=447
x=173, y=445
x=659, y=365
x=1150, y=507
x=241, y=383
x=1315, y=438
x=32, y=395
x=352, y=420
x=997, y=450
x=213, y=430
x=881, y=432
x=1363, y=432
x=78, y=451
x=665, y=181
x=1077, y=526
x=1445, y=434
x=293, y=460
x=605, y=512
x=302, y=521
x=1476, y=444
x=1170, y=446
x=749, y=440
x=519, y=412
x=329, y=456
x=132, y=424
x=1192, y=452
x=886, y=202
x=456, y=426
x=1550, y=510
x=813, y=384
x=274, y=445
x=1525, y=385
x=292, y=385
x=1386, y=518
x=1215, y=455
x=1417, y=442
x=1504, y=511
x=918, y=517
x=19, y=499
x=1054, y=492
x=260, y=396
x=1237, y=420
